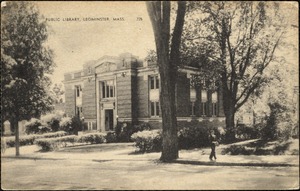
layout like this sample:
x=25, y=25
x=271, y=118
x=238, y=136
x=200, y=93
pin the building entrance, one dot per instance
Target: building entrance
x=109, y=120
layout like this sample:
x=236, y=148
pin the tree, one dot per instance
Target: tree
x=26, y=63
x=58, y=91
x=168, y=60
x=235, y=41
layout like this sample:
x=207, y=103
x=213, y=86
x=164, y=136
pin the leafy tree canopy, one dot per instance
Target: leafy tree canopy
x=26, y=62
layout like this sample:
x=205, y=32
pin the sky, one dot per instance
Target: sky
x=76, y=42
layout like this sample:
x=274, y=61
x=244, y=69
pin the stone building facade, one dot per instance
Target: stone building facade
x=126, y=89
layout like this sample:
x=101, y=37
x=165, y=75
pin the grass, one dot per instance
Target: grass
x=263, y=147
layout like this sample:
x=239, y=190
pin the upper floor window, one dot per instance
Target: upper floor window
x=78, y=91
x=154, y=82
x=108, y=89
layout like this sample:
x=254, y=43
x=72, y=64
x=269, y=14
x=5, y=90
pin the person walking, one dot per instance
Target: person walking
x=213, y=144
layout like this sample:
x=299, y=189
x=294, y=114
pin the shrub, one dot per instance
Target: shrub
x=34, y=126
x=65, y=124
x=52, y=120
x=245, y=132
x=193, y=137
x=29, y=139
x=77, y=125
x=124, y=130
x=71, y=125
x=111, y=137
x=23, y=140
x=238, y=150
x=50, y=144
x=54, y=134
x=148, y=141
x=284, y=130
x=47, y=144
x=141, y=127
x=67, y=139
x=92, y=138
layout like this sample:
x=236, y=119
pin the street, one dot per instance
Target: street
x=121, y=169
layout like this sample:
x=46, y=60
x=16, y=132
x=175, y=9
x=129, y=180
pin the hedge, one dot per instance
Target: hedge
x=191, y=137
x=50, y=144
x=92, y=138
x=29, y=139
x=148, y=141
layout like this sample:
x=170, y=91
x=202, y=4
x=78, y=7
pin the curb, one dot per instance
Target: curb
x=214, y=163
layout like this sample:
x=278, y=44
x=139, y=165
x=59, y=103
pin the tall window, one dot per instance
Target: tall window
x=203, y=102
x=193, y=98
x=214, y=100
x=154, y=82
x=154, y=109
x=193, y=108
x=154, y=96
x=78, y=111
x=108, y=89
x=78, y=91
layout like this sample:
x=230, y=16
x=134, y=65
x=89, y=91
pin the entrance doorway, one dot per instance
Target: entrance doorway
x=109, y=120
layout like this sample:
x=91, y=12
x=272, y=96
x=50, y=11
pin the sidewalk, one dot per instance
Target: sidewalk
x=125, y=152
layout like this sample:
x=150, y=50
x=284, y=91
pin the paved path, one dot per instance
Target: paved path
x=116, y=166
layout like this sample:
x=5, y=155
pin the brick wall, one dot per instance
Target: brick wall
x=68, y=76
x=213, y=122
x=89, y=99
x=142, y=100
x=205, y=122
x=134, y=106
x=124, y=96
x=70, y=100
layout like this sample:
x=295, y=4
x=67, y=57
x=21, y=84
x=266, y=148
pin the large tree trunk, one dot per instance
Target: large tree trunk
x=159, y=13
x=168, y=110
x=229, y=110
x=230, y=132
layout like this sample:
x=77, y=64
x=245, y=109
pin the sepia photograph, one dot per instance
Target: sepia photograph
x=149, y=95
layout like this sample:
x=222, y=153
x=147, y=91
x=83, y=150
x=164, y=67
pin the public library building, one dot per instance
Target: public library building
x=125, y=88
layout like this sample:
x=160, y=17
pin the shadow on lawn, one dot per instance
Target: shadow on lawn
x=232, y=164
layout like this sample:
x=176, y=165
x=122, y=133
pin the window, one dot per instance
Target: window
x=78, y=111
x=154, y=109
x=204, y=108
x=108, y=89
x=78, y=91
x=90, y=125
x=203, y=102
x=203, y=96
x=154, y=82
x=214, y=100
x=193, y=108
x=154, y=96
x=192, y=94
x=214, y=109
